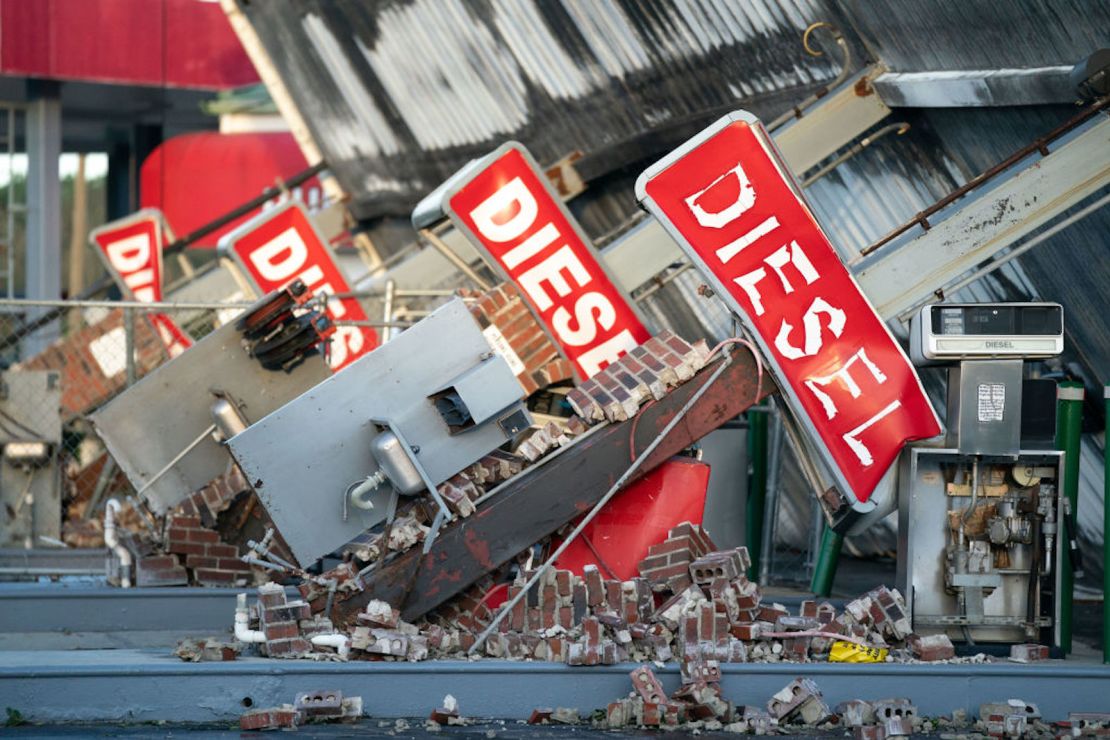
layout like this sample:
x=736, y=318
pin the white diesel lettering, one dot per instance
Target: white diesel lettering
x=844, y=375
x=551, y=272
x=811, y=324
x=531, y=246
x=280, y=258
x=745, y=199
x=589, y=310
x=486, y=215
x=130, y=254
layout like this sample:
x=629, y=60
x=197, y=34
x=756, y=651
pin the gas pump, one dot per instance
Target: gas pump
x=981, y=519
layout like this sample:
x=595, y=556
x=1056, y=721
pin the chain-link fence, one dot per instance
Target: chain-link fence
x=61, y=361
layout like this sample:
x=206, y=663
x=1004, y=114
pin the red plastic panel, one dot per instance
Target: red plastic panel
x=639, y=517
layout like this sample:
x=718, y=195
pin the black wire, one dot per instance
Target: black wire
x=23, y=427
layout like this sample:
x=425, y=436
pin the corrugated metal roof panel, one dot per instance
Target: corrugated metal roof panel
x=400, y=93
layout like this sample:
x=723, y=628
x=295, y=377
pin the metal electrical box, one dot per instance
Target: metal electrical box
x=437, y=390
x=30, y=439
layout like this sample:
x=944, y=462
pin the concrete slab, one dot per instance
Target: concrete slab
x=143, y=685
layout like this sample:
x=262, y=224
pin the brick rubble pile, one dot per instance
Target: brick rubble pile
x=691, y=603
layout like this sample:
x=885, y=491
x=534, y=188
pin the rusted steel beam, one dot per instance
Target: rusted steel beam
x=544, y=498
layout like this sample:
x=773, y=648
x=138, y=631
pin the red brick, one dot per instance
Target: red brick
x=281, y=630
x=222, y=551
x=177, y=534
x=233, y=564
x=267, y=719
x=672, y=544
x=296, y=645
x=203, y=535
x=186, y=548
x=200, y=561
x=214, y=576
x=160, y=562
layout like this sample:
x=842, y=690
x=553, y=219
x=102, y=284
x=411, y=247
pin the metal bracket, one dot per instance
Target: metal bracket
x=443, y=514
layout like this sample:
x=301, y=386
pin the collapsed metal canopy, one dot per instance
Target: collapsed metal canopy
x=399, y=95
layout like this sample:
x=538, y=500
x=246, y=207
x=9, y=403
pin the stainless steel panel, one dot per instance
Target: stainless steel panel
x=984, y=407
x=303, y=457
x=147, y=425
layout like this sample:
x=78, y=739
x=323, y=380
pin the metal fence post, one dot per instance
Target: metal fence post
x=129, y=343
x=771, y=505
x=827, y=558
x=1069, y=424
x=757, y=487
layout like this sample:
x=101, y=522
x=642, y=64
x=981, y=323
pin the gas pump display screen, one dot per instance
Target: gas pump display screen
x=998, y=320
x=968, y=331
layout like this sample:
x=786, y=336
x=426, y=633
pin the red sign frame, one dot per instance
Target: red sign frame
x=131, y=249
x=730, y=202
x=507, y=208
x=282, y=244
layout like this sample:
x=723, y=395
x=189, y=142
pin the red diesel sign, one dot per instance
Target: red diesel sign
x=280, y=245
x=728, y=199
x=508, y=209
x=131, y=248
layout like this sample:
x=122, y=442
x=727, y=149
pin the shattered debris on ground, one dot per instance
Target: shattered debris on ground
x=310, y=707
x=692, y=603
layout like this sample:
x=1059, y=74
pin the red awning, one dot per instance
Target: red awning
x=174, y=43
x=195, y=178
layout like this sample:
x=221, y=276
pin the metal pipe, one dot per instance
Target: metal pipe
x=1069, y=424
x=387, y=308
x=1106, y=531
x=179, y=245
x=1038, y=145
x=846, y=61
x=757, y=487
x=111, y=539
x=855, y=149
x=129, y=344
x=974, y=490
x=824, y=572
x=454, y=259
x=640, y=459
x=176, y=459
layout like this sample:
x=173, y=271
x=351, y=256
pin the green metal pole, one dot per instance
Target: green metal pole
x=757, y=487
x=1106, y=533
x=825, y=570
x=1069, y=424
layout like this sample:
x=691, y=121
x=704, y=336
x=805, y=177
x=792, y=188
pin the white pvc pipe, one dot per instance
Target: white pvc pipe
x=111, y=539
x=243, y=632
x=340, y=642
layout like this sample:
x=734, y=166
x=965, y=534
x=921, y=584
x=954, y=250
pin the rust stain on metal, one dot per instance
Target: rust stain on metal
x=863, y=87
x=479, y=549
